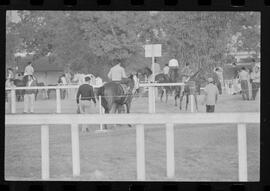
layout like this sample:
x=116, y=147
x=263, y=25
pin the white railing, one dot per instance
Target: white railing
x=151, y=94
x=241, y=119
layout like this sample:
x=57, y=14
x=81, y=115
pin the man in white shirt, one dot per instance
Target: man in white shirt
x=256, y=79
x=117, y=72
x=166, y=69
x=29, y=70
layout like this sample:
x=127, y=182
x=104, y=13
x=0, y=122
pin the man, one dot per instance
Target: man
x=255, y=83
x=211, y=96
x=173, y=63
x=244, y=78
x=84, y=96
x=216, y=79
x=186, y=72
x=156, y=67
x=117, y=72
x=29, y=95
x=9, y=84
x=166, y=69
x=29, y=70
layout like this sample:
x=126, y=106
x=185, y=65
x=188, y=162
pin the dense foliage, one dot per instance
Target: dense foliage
x=92, y=40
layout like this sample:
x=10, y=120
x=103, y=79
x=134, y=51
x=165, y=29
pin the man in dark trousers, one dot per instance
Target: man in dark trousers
x=84, y=96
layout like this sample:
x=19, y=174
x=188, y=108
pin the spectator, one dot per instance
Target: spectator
x=216, y=79
x=211, y=96
x=117, y=72
x=29, y=94
x=9, y=84
x=84, y=96
x=186, y=72
x=10, y=74
x=156, y=67
x=99, y=81
x=166, y=69
x=255, y=81
x=29, y=70
x=244, y=78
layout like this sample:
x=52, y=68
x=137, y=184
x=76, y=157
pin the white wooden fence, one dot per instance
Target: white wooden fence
x=151, y=94
x=241, y=119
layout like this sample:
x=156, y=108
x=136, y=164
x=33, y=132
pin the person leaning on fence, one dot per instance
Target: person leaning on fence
x=255, y=80
x=244, y=78
x=29, y=94
x=211, y=95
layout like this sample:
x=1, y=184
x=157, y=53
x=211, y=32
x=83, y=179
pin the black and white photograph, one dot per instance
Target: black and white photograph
x=132, y=96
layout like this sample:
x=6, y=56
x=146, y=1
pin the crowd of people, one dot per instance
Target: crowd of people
x=247, y=79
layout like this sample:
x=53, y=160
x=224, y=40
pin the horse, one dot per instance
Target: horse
x=115, y=95
x=163, y=78
x=191, y=87
x=144, y=74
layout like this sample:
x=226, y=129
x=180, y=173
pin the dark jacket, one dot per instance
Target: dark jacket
x=86, y=92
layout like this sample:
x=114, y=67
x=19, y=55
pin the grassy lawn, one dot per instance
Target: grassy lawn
x=202, y=152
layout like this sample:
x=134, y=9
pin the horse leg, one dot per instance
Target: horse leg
x=187, y=100
x=196, y=101
x=128, y=111
x=181, y=99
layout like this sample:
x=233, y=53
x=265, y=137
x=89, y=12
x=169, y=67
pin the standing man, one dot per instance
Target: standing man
x=117, y=72
x=217, y=80
x=84, y=96
x=244, y=78
x=156, y=67
x=211, y=96
x=29, y=70
x=186, y=72
x=29, y=95
x=10, y=74
x=255, y=80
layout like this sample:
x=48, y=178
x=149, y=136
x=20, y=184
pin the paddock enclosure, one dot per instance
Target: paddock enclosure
x=202, y=151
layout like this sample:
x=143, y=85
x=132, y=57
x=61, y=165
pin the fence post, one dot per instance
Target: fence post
x=13, y=101
x=75, y=149
x=58, y=101
x=191, y=103
x=170, y=150
x=140, y=152
x=242, y=152
x=45, y=157
x=151, y=99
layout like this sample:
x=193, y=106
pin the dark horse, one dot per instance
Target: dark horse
x=114, y=95
x=191, y=87
x=144, y=74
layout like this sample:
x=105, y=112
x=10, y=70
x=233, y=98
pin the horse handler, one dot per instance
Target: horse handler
x=211, y=96
x=84, y=96
x=29, y=94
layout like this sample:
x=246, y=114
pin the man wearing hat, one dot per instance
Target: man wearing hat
x=211, y=95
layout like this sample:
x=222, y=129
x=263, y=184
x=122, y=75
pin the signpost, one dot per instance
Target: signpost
x=152, y=50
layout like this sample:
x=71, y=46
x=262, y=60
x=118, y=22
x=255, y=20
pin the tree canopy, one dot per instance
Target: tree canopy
x=90, y=41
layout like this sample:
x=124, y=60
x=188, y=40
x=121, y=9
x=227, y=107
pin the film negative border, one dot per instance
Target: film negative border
x=176, y=5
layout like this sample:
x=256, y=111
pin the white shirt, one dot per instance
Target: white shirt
x=116, y=73
x=99, y=81
x=29, y=70
x=173, y=63
x=166, y=70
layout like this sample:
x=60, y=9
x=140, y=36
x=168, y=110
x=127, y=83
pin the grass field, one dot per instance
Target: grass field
x=202, y=152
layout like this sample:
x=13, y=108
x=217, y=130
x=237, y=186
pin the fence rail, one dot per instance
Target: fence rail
x=241, y=119
x=151, y=94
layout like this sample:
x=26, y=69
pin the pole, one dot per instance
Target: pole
x=13, y=101
x=100, y=112
x=45, y=158
x=75, y=149
x=191, y=103
x=58, y=101
x=242, y=152
x=170, y=150
x=140, y=152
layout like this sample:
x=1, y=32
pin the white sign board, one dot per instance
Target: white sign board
x=152, y=50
